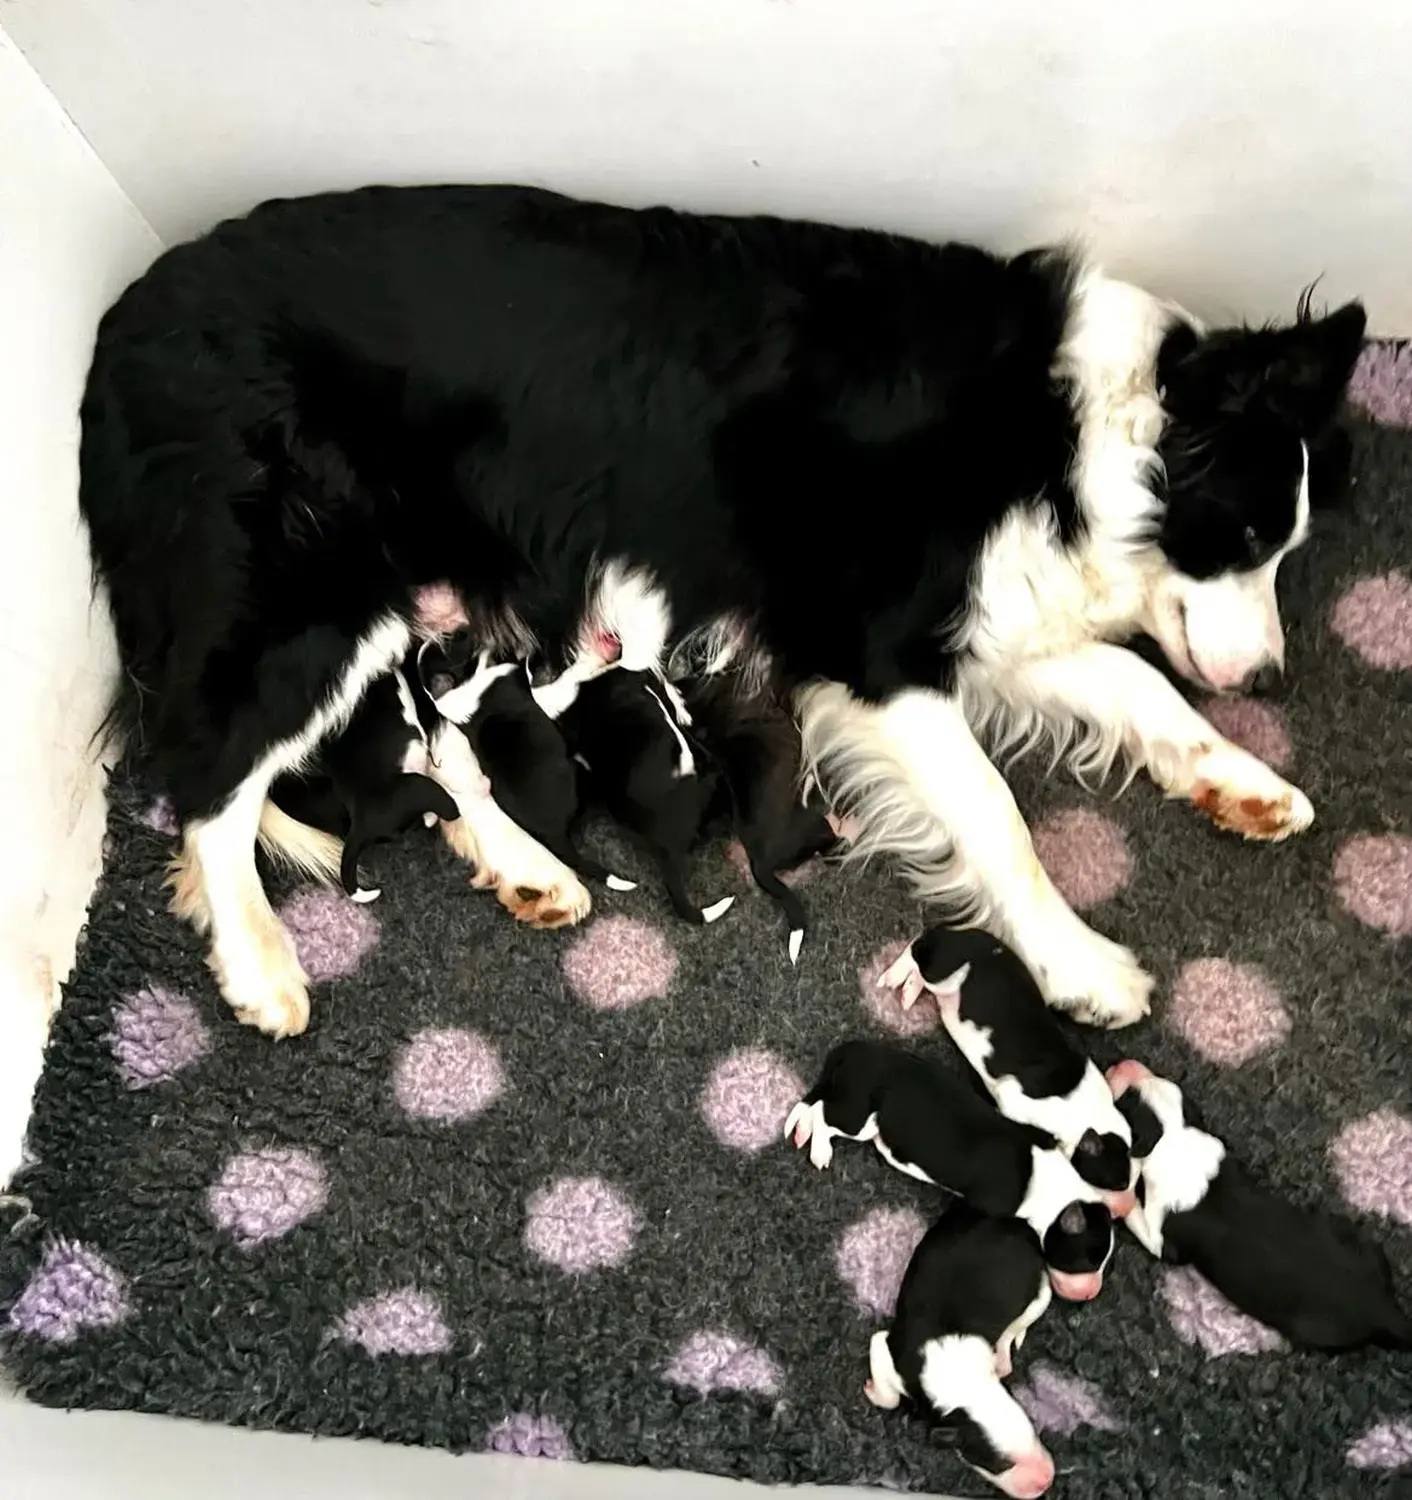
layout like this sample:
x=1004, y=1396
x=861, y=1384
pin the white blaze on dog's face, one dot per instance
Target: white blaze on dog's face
x=1250, y=446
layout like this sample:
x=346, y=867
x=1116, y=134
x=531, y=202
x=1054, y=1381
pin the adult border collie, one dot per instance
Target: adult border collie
x=924, y=488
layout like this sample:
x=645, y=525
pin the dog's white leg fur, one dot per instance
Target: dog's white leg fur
x=529, y=882
x=215, y=883
x=1136, y=712
x=884, y=1387
x=928, y=796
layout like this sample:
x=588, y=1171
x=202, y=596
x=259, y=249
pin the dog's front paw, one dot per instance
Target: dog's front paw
x=1097, y=982
x=562, y=905
x=905, y=977
x=1243, y=795
x=262, y=981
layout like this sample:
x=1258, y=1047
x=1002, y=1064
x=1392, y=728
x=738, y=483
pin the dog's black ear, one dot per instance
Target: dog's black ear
x=1297, y=375
x=1305, y=381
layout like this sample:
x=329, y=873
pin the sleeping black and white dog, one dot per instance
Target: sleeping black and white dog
x=927, y=489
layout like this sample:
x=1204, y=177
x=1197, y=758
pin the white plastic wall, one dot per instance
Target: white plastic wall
x=69, y=241
x=1224, y=152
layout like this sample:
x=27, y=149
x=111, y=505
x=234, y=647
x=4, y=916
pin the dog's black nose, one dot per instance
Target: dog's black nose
x=1265, y=681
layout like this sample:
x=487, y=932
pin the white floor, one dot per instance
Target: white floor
x=49, y=1455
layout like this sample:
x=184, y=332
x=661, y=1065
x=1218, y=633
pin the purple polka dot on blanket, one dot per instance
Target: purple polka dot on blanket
x=873, y=1253
x=405, y=1321
x=1382, y=383
x=72, y=1288
x=580, y=1224
x=1374, y=619
x=1084, y=854
x=620, y=962
x=1228, y=1012
x=1059, y=1402
x=332, y=934
x=529, y=1436
x=1386, y=1446
x=1372, y=1159
x=161, y=817
x=747, y=1097
x=715, y=1361
x=448, y=1075
x=1254, y=726
x=262, y=1195
x=156, y=1033
x=1200, y=1315
x=885, y=1006
x=1373, y=878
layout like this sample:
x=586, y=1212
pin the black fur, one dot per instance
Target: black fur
x=1028, y=1041
x=931, y=1120
x=620, y=725
x=359, y=789
x=971, y=1275
x=293, y=421
x=1307, y=1275
x=755, y=743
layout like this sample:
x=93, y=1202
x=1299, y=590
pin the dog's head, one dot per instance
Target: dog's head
x=1251, y=446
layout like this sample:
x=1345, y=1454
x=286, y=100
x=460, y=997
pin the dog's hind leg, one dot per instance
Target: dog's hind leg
x=214, y=879
x=671, y=866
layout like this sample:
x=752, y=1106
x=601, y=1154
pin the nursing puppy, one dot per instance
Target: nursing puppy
x=522, y=751
x=373, y=783
x=627, y=730
x=1306, y=1275
x=997, y=1016
x=926, y=1122
x=970, y=1292
x=756, y=743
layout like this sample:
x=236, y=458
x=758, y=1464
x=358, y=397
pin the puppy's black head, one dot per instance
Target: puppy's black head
x=1103, y=1160
x=1147, y=1129
x=1076, y=1249
x=447, y=661
x=1246, y=410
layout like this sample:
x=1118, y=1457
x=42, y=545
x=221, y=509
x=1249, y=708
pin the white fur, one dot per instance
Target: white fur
x=219, y=888
x=628, y=603
x=1179, y=1172
x=1224, y=628
x=717, y=909
x=926, y=793
x=1014, y=1335
x=886, y=1388
x=459, y=705
x=414, y=757
x=504, y=855
x=686, y=762
x=1054, y=1185
x=1038, y=669
x=958, y=1371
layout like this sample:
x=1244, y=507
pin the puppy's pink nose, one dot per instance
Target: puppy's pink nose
x=1072, y=1286
x=1120, y=1205
x=1029, y=1478
x=1125, y=1075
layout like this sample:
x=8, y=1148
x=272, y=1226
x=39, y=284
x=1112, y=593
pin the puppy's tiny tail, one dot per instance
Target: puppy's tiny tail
x=311, y=851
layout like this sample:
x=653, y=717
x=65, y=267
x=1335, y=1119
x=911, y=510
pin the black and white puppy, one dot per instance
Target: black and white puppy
x=628, y=731
x=1304, y=1274
x=522, y=750
x=969, y=1295
x=756, y=743
x=929, y=1123
x=997, y=1016
x=370, y=782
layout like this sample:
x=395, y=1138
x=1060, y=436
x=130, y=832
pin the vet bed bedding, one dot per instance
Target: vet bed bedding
x=530, y=1191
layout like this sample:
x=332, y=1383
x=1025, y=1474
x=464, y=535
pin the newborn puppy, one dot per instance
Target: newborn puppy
x=522, y=751
x=927, y=1122
x=971, y=1290
x=627, y=729
x=995, y=1013
x=756, y=743
x=373, y=784
x=1304, y=1274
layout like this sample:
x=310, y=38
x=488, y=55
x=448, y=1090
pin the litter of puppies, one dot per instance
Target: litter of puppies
x=1037, y=1162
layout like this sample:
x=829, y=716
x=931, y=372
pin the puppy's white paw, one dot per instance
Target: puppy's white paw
x=820, y=1146
x=1093, y=980
x=1243, y=795
x=905, y=977
x=800, y=1124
